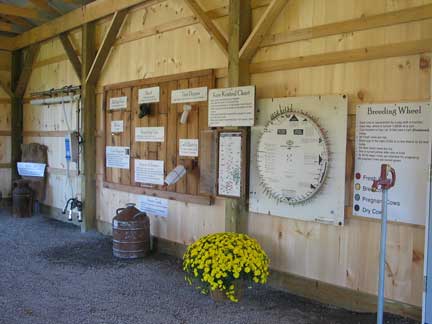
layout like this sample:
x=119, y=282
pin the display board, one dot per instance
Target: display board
x=291, y=172
x=397, y=134
x=141, y=116
x=231, y=163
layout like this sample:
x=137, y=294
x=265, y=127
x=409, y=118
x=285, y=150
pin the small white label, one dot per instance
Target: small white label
x=149, y=171
x=188, y=147
x=148, y=95
x=117, y=126
x=29, y=169
x=189, y=95
x=118, y=103
x=117, y=157
x=150, y=134
x=153, y=206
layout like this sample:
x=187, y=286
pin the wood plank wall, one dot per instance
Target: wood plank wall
x=166, y=39
x=5, y=126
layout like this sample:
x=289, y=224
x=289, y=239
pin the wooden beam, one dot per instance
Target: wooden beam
x=6, y=89
x=18, y=21
x=208, y=25
x=27, y=68
x=11, y=10
x=106, y=46
x=16, y=114
x=239, y=22
x=71, y=54
x=44, y=5
x=352, y=25
x=355, y=55
x=88, y=119
x=76, y=18
x=7, y=43
x=266, y=21
x=7, y=27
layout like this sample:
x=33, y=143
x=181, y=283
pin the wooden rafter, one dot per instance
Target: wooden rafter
x=266, y=21
x=26, y=70
x=18, y=21
x=7, y=27
x=76, y=18
x=71, y=54
x=208, y=25
x=106, y=45
x=348, y=26
x=44, y=5
x=12, y=10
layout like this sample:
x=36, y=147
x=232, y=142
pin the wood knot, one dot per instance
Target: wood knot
x=424, y=63
x=360, y=95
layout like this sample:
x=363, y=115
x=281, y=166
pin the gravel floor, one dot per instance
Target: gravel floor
x=51, y=273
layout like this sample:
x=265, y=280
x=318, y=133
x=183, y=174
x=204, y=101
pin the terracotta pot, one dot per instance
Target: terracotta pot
x=219, y=295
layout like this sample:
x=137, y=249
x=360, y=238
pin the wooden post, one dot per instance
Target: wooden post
x=16, y=114
x=88, y=119
x=236, y=210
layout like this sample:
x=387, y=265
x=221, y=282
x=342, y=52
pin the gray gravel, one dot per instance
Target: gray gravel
x=51, y=273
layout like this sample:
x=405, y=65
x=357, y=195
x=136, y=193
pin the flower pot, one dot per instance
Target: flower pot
x=219, y=295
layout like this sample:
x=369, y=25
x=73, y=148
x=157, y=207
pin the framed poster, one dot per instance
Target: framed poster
x=231, y=164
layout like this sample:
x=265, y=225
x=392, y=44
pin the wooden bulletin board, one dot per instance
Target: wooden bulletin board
x=162, y=114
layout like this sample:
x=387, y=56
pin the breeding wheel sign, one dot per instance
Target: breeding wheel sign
x=298, y=153
x=295, y=140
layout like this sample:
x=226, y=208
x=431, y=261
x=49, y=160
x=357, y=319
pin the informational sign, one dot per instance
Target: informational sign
x=30, y=169
x=150, y=134
x=395, y=134
x=149, y=171
x=117, y=157
x=292, y=157
x=148, y=95
x=189, y=95
x=118, y=103
x=298, y=156
x=117, y=126
x=153, y=206
x=232, y=107
x=230, y=159
x=188, y=147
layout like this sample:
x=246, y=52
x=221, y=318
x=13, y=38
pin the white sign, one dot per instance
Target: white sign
x=230, y=164
x=118, y=103
x=149, y=171
x=269, y=197
x=153, y=206
x=29, y=169
x=232, y=107
x=148, y=95
x=117, y=126
x=150, y=134
x=188, y=147
x=395, y=134
x=117, y=157
x=189, y=95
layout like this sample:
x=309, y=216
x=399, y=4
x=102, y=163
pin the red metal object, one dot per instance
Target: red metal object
x=384, y=182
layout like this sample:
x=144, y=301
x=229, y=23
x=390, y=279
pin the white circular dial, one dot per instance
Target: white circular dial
x=292, y=157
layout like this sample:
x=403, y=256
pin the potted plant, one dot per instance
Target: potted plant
x=221, y=263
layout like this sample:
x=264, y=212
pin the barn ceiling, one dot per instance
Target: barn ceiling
x=17, y=16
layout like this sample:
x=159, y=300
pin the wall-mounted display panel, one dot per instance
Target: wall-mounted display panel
x=298, y=157
x=152, y=128
x=396, y=134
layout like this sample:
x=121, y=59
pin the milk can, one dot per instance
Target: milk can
x=22, y=199
x=131, y=233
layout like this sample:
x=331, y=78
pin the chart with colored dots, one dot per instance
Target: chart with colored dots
x=399, y=135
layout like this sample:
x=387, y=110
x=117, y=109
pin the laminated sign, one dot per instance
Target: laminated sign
x=399, y=135
x=232, y=107
x=118, y=103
